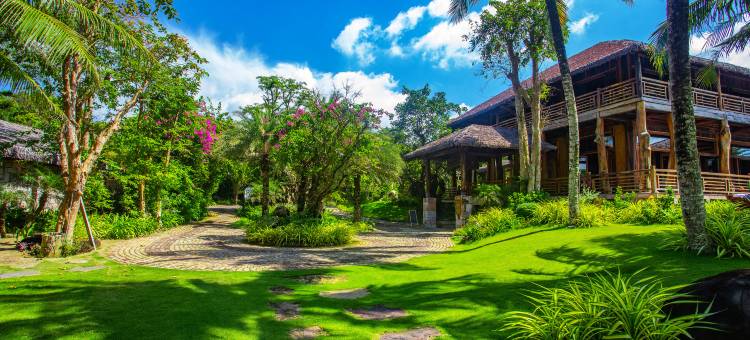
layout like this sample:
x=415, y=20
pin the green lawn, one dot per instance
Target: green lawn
x=462, y=292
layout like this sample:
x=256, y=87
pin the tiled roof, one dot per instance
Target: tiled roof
x=589, y=57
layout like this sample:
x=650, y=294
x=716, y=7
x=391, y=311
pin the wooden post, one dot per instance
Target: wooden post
x=491, y=170
x=601, y=152
x=672, y=156
x=426, y=176
x=719, y=90
x=621, y=151
x=454, y=180
x=652, y=177
x=465, y=174
x=638, y=76
x=86, y=222
x=644, y=139
x=725, y=149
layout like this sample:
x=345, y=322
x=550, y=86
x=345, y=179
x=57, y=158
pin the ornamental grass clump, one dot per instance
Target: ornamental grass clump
x=487, y=223
x=605, y=306
x=727, y=231
x=303, y=232
x=555, y=213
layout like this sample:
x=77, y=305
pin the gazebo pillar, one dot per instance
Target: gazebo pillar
x=725, y=147
x=462, y=201
x=601, y=151
x=429, y=204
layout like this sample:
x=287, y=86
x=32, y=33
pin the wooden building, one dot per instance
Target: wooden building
x=625, y=129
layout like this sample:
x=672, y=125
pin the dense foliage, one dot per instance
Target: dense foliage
x=297, y=231
x=486, y=224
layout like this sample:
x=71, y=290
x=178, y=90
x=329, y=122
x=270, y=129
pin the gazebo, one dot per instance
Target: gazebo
x=466, y=151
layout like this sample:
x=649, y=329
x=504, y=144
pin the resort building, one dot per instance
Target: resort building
x=625, y=125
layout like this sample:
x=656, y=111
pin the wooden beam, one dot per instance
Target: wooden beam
x=718, y=89
x=672, y=157
x=601, y=153
x=725, y=150
x=465, y=173
x=638, y=76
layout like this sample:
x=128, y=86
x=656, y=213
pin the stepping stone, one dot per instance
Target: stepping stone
x=378, y=312
x=346, y=294
x=281, y=290
x=285, y=310
x=87, y=269
x=307, y=333
x=317, y=278
x=424, y=333
x=77, y=261
x=19, y=274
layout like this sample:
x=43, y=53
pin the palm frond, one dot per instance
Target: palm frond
x=460, y=9
x=13, y=77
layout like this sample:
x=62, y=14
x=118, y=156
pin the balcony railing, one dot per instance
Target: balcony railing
x=652, y=181
x=624, y=91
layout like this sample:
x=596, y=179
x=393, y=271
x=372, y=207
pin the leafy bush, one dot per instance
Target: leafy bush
x=728, y=228
x=609, y=306
x=490, y=195
x=517, y=198
x=526, y=210
x=588, y=195
x=306, y=232
x=650, y=211
x=486, y=224
x=622, y=199
x=116, y=226
x=556, y=213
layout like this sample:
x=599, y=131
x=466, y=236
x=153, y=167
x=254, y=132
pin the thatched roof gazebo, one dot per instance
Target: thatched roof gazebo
x=23, y=143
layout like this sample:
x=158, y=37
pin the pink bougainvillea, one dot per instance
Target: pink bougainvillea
x=207, y=135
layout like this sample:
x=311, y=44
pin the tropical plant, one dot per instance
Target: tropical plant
x=486, y=224
x=604, y=306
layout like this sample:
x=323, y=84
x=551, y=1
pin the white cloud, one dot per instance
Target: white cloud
x=698, y=42
x=405, y=21
x=439, y=8
x=445, y=43
x=579, y=26
x=233, y=71
x=353, y=40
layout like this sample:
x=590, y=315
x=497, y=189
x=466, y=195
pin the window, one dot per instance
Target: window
x=583, y=164
x=741, y=152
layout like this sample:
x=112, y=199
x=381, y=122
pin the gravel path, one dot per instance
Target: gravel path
x=215, y=245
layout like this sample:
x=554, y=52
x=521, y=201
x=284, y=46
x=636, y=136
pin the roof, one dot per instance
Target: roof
x=24, y=143
x=474, y=136
x=586, y=59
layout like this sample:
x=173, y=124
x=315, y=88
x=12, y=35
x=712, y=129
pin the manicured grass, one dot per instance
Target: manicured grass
x=462, y=292
x=397, y=211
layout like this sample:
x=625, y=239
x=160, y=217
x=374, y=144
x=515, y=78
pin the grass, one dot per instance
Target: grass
x=462, y=292
x=396, y=211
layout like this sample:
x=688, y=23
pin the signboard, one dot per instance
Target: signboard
x=248, y=193
x=413, y=218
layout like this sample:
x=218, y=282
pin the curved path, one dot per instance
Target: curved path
x=215, y=245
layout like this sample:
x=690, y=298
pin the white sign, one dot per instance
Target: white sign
x=248, y=193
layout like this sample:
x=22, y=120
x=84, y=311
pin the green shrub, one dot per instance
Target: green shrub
x=306, y=232
x=486, y=224
x=115, y=226
x=526, y=210
x=551, y=212
x=517, y=198
x=556, y=213
x=622, y=199
x=490, y=195
x=606, y=306
x=728, y=229
x=588, y=195
x=649, y=211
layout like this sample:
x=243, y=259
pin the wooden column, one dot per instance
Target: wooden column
x=601, y=153
x=638, y=76
x=454, y=180
x=719, y=90
x=562, y=156
x=672, y=156
x=426, y=177
x=725, y=147
x=644, y=139
x=621, y=148
x=465, y=174
x=491, y=170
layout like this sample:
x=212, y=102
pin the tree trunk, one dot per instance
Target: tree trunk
x=159, y=208
x=301, y=193
x=142, y=196
x=69, y=206
x=264, y=174
x=535, y=162
x=357, y=216
x=686, y=148
x=3, y=210
x=523, y=140
x=236, y=192
x=570, y=106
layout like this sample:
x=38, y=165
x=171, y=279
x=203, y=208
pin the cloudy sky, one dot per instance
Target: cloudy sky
x=378, y=46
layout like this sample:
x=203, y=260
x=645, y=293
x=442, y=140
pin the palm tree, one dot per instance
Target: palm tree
x=686, y=148
x=62, y=35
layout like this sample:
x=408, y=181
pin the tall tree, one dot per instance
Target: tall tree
x=513, y=37
x=375, y=164
x=281, y=98
x=686, y=148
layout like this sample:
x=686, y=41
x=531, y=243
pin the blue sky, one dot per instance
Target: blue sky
x=377, y=46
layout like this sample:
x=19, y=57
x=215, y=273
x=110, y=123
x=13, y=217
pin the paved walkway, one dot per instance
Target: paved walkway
x=215, y=245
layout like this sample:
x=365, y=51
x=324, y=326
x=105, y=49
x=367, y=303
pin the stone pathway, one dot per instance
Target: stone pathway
x=24, y=273
x=215, y=245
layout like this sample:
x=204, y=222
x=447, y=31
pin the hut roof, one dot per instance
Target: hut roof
x=24, y=143
x=584, y=60
x=474, y=136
